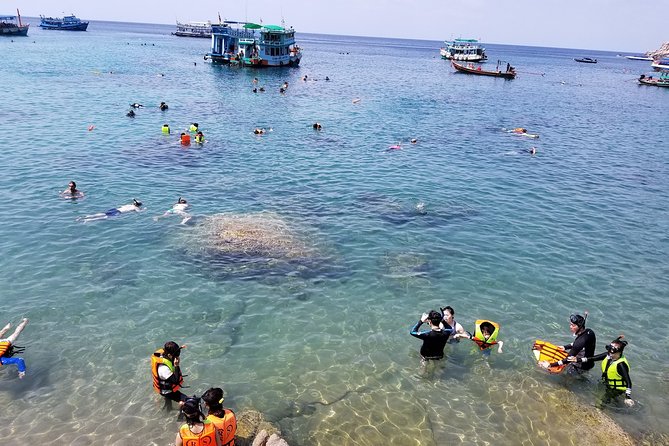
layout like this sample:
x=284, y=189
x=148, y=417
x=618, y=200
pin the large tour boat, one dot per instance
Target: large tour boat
x=193, y=29
x=12, y=26
x=67, y=23
x=250, y=44
x=468, y=50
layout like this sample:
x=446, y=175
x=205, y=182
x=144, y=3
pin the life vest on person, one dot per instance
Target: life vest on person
x=519, y=130
x=226, y=427
x=192, y=128
x=166, y=129
x=205, y=438
x=162, y=386
x=610, y=375
x=199, y=138
x=185, y=139
x=6, y=349
x=480, y=340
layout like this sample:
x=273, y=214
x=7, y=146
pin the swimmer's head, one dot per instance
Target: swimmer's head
x=191, y=409
x=487, y=329
x=181, y=200
x=172, y=348
x=136, y=203
x=434, y=317
x=213, y=398
x=72, y=185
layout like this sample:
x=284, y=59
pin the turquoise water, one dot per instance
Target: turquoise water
x=319, y=342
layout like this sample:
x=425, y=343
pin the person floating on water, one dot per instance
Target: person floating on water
x=166, y=372
x=166, y=129
x=163, y=106
x=136, y=105
x=583, y=346
x=317, y=126
x=485, y=336
x=131, y=113
x=199, y=138
x=136, y=206
x=196, y=431
x=8, y=349
x=448, y=318
x=179, y=208
x=261, y=131
x=435, y=339
x=184, y=139
x=193, y=127
x=223, y=419
x=72, y=191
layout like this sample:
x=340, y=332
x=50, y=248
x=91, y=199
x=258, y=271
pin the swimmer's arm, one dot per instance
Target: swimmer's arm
x=414, y=331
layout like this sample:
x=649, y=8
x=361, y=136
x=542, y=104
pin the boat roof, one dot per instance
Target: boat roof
x=8, y=17
x=274, y=27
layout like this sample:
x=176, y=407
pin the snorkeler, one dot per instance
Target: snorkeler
x=179, y=208
x=136, y=105
x=433, y=340
x=199, y=138
x=166, y=372
x=163, y=106
x=130, y=114
x=485, y=336
x=583, y=346
x=8, y=349
x=136, y=206
x=317, y=126
x=165, y=129
x=72, y=191
x=193, y=127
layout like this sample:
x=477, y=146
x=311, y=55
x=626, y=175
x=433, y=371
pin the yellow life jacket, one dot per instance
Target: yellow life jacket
x=610, y=375
x=159, y=385
x=193, y=128
x=166, y=129
x=226, y=427
x=480, y=340
x=205, y=438
x=199, y=139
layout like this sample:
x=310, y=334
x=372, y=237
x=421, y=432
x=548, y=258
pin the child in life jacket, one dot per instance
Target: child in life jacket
x=8, y=349
x=485, y=336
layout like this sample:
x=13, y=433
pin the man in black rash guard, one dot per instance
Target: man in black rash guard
x=433, y=340
x=583, y=346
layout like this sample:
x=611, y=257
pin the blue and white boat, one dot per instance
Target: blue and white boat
x=660, y=64
x=250, y=44
x=12, y=26
x=468, y=50
x=67, y=23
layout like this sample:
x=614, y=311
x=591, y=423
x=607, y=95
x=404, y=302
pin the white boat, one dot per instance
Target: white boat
x=660, y=64
x=639, y=58
x=468, y=50
x=193, y=29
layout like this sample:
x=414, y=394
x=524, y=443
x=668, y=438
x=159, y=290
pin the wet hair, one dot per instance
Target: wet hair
x=434, y=317
x=213, y=397
x=191, y=410
x=487, y=327
x=172, y=348
x=577, y=320
x=450, y=310
x=136, y=202
x=72, y=185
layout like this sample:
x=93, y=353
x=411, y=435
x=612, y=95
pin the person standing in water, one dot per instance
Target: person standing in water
x=583, y=346
x=224, y=419
x=448, y=314
x=166, y=372
x=435, y=339
x=485, y=336
x=72, y=191
x=196, y=431
x=8, y=349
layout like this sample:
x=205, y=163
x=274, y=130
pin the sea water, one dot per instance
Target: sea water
x=464, y=217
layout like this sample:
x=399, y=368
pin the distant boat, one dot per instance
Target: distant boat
x=639, y=58
x=254, y=45
x=586, y=60
x=660, y=64
x=662, y=81
x=67, y=23
x=193, y=29
x=12, y=26
x=468, y=50
x=469, y=68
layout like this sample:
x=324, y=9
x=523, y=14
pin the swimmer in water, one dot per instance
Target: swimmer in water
x=317, y=126
x=72, y=191
x=136, y=206
x=259, y=131
x=8, y=349
x=130, y=114
x=136, y=105
x=179, y=208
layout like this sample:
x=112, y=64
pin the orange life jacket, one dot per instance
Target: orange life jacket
x=160, y=385
x=5, y=347
x=226, y=427
x=205, y=438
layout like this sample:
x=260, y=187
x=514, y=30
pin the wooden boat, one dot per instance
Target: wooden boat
x=66, y=23
x=10, y=26
x=662, y=81
x=586, y=60
x=469, y=68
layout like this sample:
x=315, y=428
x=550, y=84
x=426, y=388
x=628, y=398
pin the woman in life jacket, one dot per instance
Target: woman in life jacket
x=485, y=336
x=223, y=419
x=8, y=349
x=167, y=377
x=615, y=371
x=196, y=431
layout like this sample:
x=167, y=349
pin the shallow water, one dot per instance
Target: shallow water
x=322, y=347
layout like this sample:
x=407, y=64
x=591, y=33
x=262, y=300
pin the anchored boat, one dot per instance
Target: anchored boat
x=468, y=50
x=250, y=44
x=67, y=23
x=469, y=68
x=586, y=60
x=661, y=81
x=12, y=26
x=193, y=29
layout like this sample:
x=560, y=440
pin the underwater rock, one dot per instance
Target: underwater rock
x=254, y=430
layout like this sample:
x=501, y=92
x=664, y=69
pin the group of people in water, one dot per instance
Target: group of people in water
x=578, y=356
x=219, y=427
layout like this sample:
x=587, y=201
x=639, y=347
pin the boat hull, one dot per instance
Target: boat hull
x=79, y=27
x=14, y=30
x=654, y=82
x=479, y=72
x=586, y=60
x=231, y=59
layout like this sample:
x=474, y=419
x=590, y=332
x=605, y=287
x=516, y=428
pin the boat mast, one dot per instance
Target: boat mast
x=19, y=15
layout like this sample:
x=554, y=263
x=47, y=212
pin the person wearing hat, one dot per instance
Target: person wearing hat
x=434, y=339
x=224, y=419
x=615, y=371
x=583, y=346
x=196, y=430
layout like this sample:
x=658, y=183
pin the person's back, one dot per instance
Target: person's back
x=196, y=431
x=434, y=340
x=223, y=419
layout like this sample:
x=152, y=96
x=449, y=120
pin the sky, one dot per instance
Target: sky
x=615, y=25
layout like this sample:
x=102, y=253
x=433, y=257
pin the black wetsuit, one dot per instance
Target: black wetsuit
x=433, y=341
x=583, y=346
